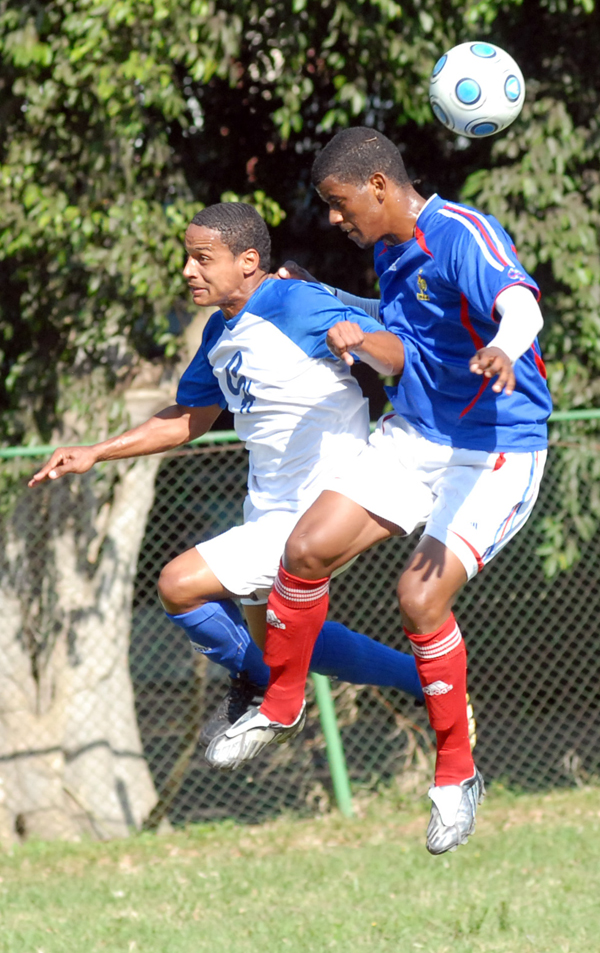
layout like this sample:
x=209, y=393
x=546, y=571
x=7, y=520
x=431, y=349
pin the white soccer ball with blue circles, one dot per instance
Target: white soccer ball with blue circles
x=476, y=89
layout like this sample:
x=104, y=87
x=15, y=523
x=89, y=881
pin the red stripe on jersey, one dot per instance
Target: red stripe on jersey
x=478, y=559
x=470, y=406
x=466, y=323
x=499, y=462
x=539, y=363
x=421, y=241
x=475, y=221
x=478, y=343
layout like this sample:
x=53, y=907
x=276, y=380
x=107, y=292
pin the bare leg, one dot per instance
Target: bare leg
x=429, y=585
x=331, y=532
x=187, y=582
x=256, y=617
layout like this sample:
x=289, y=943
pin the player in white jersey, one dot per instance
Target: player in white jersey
x=303, y=419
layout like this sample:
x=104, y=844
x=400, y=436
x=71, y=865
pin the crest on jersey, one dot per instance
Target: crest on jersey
x=422, y=292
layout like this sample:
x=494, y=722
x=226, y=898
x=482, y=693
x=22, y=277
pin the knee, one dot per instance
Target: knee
x=421, y=607
x=301, y=557
x=170, y=588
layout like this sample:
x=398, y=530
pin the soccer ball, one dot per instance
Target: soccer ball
x=476, y=89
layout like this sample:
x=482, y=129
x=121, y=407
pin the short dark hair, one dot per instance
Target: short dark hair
x=240, y=227
x=355, y=154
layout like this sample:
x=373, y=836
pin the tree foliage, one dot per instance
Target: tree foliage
x=121, y=118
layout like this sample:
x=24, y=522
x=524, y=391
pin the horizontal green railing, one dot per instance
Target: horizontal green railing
x=229, y=436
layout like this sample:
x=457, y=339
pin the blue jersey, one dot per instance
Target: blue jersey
x=438, y=293
x=297, y=407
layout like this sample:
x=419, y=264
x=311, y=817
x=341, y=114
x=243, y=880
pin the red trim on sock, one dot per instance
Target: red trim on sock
x=295, y=591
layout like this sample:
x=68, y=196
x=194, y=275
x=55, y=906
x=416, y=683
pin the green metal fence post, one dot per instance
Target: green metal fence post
x=333, y=742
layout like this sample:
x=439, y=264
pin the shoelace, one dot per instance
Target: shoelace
x=241, y=694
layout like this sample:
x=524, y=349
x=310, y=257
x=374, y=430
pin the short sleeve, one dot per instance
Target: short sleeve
x=198, y=386
x=475, y=255
x=306, y=311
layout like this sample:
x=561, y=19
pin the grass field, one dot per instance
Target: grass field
x=528, y=882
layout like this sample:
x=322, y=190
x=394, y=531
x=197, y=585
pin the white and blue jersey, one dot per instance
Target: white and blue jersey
x=297, y=408
x=438, y=293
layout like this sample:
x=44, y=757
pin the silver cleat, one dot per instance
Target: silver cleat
x=242, y=695
x=453, y=813
x=248, y=736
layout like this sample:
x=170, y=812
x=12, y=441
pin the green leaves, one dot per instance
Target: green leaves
x=120, y=119
x=113, y=137
x=270, y=210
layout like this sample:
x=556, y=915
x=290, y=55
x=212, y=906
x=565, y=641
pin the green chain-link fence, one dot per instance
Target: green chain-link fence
x=533, y=662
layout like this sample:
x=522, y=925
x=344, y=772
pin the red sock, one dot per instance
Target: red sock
x=296, y=612
x=441, y=660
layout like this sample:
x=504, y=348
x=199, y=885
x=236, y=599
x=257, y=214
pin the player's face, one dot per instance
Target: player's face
x=213, y=274
x=357, y=210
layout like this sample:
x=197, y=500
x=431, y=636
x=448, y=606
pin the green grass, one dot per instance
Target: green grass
x=528, y=882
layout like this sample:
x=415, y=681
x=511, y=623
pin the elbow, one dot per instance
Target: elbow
x=397, y=361
x=397, y=366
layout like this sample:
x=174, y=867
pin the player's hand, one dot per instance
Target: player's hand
x=291, y=269
x=343, y=338
x=65, y=460
x=492, y=362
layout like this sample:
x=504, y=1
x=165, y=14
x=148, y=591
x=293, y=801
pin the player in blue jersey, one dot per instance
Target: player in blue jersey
x=302, y=416
x=461, y=455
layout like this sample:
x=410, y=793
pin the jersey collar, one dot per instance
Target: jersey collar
x=381, y=248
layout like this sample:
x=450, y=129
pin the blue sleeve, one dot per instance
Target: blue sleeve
x=305, y=311
x=474, y=254
x=198, y=386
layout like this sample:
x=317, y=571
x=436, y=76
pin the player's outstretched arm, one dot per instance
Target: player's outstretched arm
x=381, y=350
x=164, y=431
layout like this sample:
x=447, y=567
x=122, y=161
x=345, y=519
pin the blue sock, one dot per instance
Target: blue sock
x=351, y=657
x=218, y=630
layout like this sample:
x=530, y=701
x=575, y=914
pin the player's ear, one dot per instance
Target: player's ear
x=250, y=261
x=378, y=183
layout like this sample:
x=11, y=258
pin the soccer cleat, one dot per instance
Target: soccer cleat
x=242, y=693
x=453, y=813
x=250, y=734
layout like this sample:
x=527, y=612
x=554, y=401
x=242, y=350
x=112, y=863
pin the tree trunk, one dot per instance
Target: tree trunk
x=71, y=760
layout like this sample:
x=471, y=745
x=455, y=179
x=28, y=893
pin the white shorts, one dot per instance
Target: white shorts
x=245, y=559
x=470, y=500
